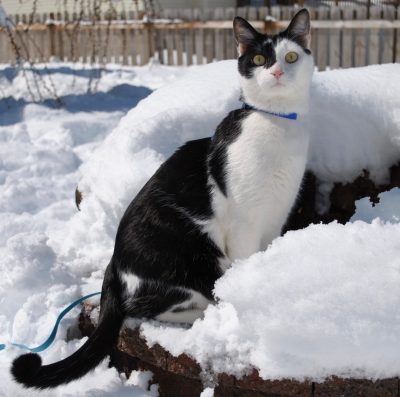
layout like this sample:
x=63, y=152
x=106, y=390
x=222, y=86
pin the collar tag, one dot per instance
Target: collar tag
x=290, y=116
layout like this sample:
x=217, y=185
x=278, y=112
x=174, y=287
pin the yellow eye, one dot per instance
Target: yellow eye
x=259, y=60
x=291, y=57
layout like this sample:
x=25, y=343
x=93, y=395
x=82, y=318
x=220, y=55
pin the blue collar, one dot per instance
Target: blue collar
x=290, y=116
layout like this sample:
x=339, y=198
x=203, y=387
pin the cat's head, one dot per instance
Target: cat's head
x=276, y=70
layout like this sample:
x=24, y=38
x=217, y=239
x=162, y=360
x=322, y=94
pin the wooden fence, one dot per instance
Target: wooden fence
x=341, y=36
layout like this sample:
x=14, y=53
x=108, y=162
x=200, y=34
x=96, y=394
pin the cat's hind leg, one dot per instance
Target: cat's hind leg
x=187, y=311
x=161, y=301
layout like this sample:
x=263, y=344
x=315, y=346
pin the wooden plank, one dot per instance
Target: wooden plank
x=189, y=46
x=360, y=39
x=322, y=41
x=230, y=45
x=275, y=14
x=170, y=47
x=188, y=38
x=118, y=45
x=219, y=45
x=209, y=45
x=252, y=13
x=347, y=40
x=82, y=43
x=387, y=37
x=242, y=12
x=334, y=40
x=263, y=12
x=315, y=33
x=374, y=38
x=145, y=47
x=160, y=45
x=285, y=13
x=124, y=46
x=134, y=45
x=397, y=35
x=199, y=42
x=3, y=48
x=179, y=47
x=219, y=35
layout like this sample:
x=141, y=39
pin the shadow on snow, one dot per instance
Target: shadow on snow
x=120, y=98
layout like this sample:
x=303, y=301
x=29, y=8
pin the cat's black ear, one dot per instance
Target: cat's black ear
x=299, y=29
x=244, y=34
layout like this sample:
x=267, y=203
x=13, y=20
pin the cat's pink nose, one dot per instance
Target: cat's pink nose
x=277, y=73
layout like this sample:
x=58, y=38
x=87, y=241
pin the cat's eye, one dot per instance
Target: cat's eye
x=291, y=57
x=259, y=60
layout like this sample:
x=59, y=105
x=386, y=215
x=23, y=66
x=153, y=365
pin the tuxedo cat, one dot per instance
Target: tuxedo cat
x=215, y=200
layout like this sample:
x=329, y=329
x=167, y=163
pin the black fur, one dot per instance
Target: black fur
x=226, y=133
x=157, y=239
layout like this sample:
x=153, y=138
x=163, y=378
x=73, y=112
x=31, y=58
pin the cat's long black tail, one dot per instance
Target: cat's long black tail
x=28, y=369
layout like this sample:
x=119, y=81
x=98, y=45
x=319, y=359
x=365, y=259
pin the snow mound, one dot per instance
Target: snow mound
x=354, y=122
x=302, y=309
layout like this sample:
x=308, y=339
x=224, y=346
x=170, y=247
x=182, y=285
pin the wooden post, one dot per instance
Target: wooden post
x=397, y=36
x=388, y=50
x=334, y=40
x=347, y=40
x=373, y=38
x=51, y=27
x=323, y=42
x=360, y=40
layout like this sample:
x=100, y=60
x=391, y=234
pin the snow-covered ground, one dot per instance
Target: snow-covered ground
x=320, y=301
x=41, y=151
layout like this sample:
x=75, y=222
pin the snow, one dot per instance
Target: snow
x=301, y=309
x=345, y=137
x=207, y=392
x=41, y=151
x=297, y=310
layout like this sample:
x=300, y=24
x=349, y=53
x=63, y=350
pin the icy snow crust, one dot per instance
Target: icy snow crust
x=320, y=301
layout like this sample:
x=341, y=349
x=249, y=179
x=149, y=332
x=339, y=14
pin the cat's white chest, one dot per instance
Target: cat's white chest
x=264, y=169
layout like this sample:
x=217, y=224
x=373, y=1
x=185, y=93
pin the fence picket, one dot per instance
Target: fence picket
x=315, y=34
x=387, y=37
x=230, y=45
x=209, y=45
x=170, y=48
x=360, y=39
x=179, y=47
x=347, y=40
x=323, y=41
x=373, y=38
x=397, y=35
x=334, y=40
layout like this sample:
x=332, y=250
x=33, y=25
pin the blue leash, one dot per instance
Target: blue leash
x=53, y=334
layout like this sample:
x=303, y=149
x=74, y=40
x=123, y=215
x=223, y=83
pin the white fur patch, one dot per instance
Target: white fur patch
x=265, y=166
x=189, y=311
x=131, y=282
